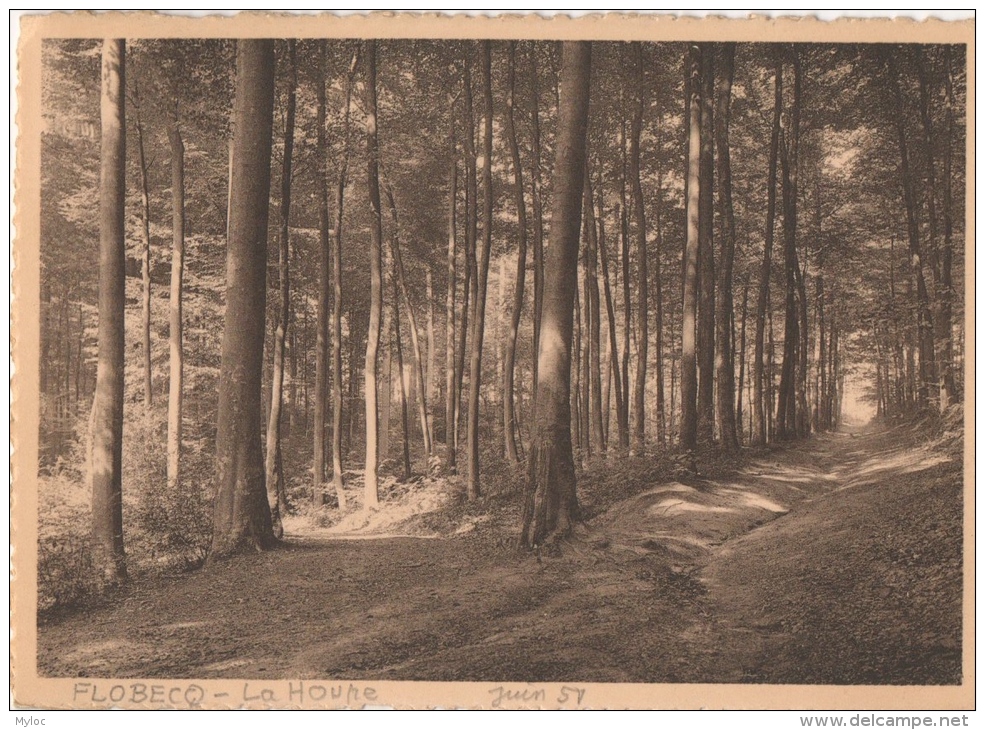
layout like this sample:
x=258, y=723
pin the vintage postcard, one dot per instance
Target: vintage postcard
x=437, y=361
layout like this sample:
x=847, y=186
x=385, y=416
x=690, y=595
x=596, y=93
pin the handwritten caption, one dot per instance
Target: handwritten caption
x=297, y=694
x=194, y=695
x=566, y=696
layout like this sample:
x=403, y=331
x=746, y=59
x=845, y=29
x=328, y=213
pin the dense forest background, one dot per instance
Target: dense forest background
x=770, y=234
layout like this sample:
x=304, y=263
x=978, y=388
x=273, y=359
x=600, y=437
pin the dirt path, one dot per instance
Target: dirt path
x=838, y=560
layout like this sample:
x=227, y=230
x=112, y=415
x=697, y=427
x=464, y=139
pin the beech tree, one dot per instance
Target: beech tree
x=107, y=408
x=550, y=503
x=242, y=519
x=371, y=487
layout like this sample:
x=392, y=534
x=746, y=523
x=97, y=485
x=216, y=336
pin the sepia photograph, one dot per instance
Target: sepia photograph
x=418, y=361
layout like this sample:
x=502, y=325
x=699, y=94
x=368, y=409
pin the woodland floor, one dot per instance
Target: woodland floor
x=835, y=561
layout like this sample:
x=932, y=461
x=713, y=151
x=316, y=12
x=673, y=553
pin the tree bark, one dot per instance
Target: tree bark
x=482, y=263
x=550, y=503
x=760, y=408
x=509, y=365
x=274, y=461
x=537, y=204
x=787, y=408
x=642, y=289
x=106, y=433
x=176, y=325
x=422, y=406
x=706, y=251
x=725, y=360
x=242, y=517
x=337, y=474
x=451, y=388
x=948, y=388
x=616, y=378
x=404, y=418
x=371, y=494
x=142, y=164
x=594, y=312
x=324, y=288
x=689, y=373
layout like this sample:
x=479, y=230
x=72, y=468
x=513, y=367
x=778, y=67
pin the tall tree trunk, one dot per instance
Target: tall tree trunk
x=337, y=474
x=642, y=288
x=760, y=407
x=422, y=406
x=142, y=164
x=509, y=408
x=106, y=434
x=550, y=504
x=451, y=388
x=925, y=335
x=371, y=498
x=616, y=378
x=324, y=288
x=659, y=310
x=594, y=315
x=706, y=250
x=786, y=414
x=626, y=296
x=742, y=358
x=948, y=389
x=404, y=418
x=274, y=461
x=429, y=362
x=689, y=373
x=725, y=360
x=471, y=234
x=242, y=516
x=537, y=204
x=482, y=263
x=176, y=326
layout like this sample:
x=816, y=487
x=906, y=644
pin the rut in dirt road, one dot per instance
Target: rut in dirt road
x=834, y=561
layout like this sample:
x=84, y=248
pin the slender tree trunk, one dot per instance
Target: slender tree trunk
x=404, y=418
x=106, y=432
x=509, y=408
x=594, y=315
x=145, y=260
x=429, y=362
x=786, y=414
x=471, y=234
x=948, y=389
x=414, y=336
x=550, y=503
x=642, y=288
x=371, y=498
x=242, y=516
x=725, y=360
x=689, y=373
x=742, y=358
x=324, y=288
x=176, y=325
x=575, y=378
x=626, y=296
x=616, y=378
x=337, y=473
x=478, y=319
x=706, y=251
x=659, y=308
x=537, y=204
x=451, y=388
x=274, y=461
x=760, y=408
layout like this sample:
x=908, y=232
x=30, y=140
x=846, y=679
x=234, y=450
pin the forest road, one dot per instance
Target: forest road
x=837, y=560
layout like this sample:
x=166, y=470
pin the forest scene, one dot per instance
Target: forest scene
x=477, y=360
